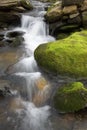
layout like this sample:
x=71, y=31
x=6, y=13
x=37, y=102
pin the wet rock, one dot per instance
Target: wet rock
x=4, y=88
x=9, y=18
x=7, y=58
x=3, y=43
x=14, y=42
x=15, y=104
x=1, y=36
x=12, y=34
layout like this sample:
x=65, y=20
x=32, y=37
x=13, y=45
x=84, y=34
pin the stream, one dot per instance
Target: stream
x=28, y=107
x=29, y=111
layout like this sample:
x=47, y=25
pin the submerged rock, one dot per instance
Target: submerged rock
x=12, y=34
x=14, y=42
x=65, y=57
x=4, y=88
x=8, y=57
x=71, y=97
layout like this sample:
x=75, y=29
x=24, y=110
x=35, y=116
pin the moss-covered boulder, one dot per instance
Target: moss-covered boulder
x=71, y=97
x=65, y=57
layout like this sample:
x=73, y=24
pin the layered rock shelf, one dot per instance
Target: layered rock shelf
x=67, y=13
x=10, y=11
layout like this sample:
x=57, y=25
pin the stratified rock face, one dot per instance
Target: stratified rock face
x=72, y=12
x=10, y=4
x=71, y=97
x=7, y=4
x=10, y=11
x=65, y=57
x=72, y=2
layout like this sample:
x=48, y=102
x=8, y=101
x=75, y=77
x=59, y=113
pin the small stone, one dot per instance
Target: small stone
x=73, y=15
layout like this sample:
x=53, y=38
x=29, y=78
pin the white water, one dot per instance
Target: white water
x=36, y=33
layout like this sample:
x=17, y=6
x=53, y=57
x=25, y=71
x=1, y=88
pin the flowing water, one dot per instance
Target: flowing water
x=32, y=111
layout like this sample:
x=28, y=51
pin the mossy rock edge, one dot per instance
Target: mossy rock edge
x=71, y=97
x=66, y=57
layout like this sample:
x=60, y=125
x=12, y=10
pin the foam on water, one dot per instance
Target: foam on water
x=36, y=33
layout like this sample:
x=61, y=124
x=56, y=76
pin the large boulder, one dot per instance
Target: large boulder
x=71, y=97
x=65, y=57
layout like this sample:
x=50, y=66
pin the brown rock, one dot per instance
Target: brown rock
x=84, y=6
x=70, y=9
x=54, y=14
x=73, y=15
x=7, y=4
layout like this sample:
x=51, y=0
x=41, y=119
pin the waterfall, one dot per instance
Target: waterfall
x=36, y=33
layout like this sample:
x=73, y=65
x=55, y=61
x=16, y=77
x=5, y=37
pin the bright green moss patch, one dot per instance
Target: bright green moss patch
x=65, y=57
x=71, y=97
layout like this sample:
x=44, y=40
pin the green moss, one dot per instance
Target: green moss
x=66, y=57
x=71, y=97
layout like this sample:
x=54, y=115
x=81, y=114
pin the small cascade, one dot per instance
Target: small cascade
x=37, y=88
x=36, y=118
